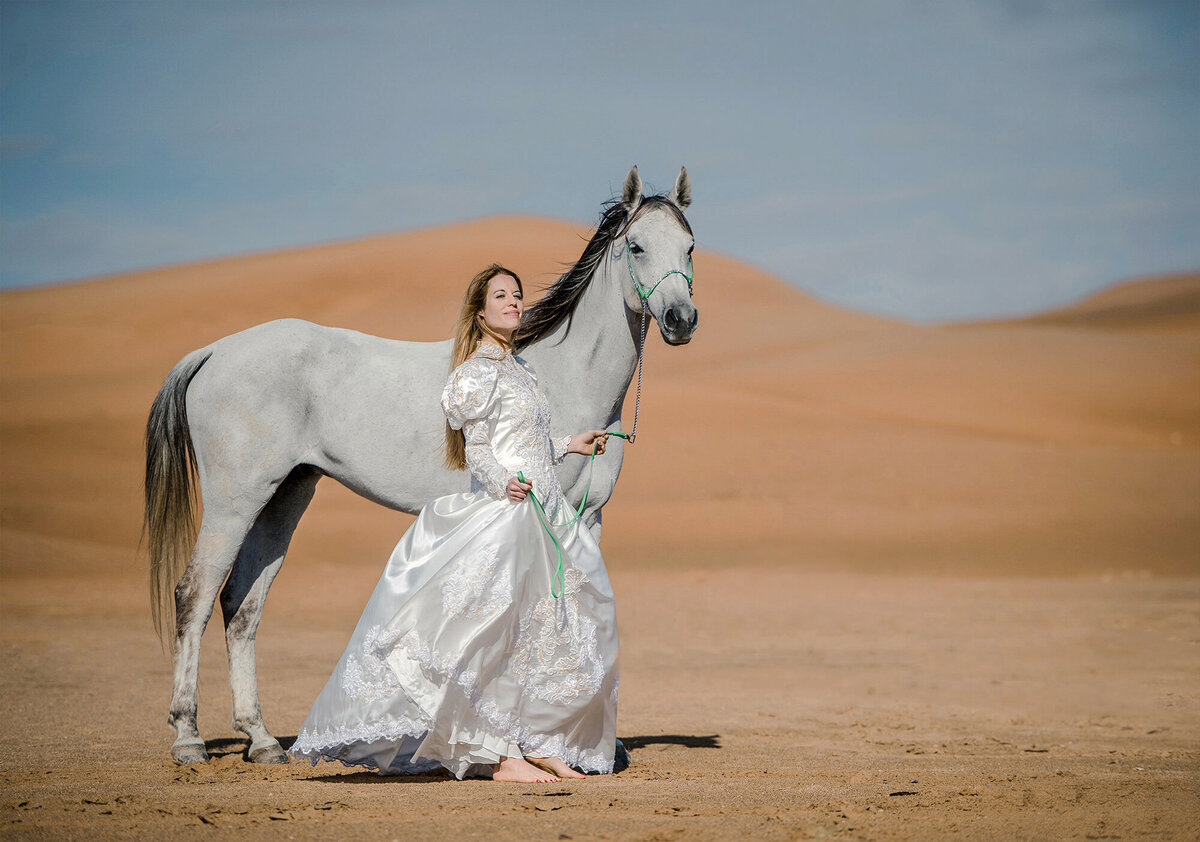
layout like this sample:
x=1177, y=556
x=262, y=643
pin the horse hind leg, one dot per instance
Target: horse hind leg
x=243, y=598
x=217, y=545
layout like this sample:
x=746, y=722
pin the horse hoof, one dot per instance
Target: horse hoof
x=620, y=758
x=185, y=754
x=269, y=753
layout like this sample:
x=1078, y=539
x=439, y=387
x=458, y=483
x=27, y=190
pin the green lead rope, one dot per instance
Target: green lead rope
x=541, y=513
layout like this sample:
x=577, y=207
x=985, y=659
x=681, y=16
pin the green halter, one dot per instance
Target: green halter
x=645, y=293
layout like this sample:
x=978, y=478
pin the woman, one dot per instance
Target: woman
x=476, y=652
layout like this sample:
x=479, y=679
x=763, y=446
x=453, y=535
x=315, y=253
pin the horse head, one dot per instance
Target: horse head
x=652, y=255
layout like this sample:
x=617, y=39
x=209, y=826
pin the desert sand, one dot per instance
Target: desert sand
x=875, y=580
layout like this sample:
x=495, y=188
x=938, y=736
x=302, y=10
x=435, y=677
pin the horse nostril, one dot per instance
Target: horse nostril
x=674, y=323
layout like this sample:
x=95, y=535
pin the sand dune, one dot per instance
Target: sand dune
x=788, y=455
x=1165, y=303
x=840, y=438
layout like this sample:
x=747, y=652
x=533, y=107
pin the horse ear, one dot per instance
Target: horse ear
x=681, y=193
x=631, y=193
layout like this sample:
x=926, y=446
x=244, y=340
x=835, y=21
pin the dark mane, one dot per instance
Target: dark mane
x=562, y=298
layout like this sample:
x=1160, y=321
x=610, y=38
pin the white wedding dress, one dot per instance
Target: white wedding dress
x=462, y=654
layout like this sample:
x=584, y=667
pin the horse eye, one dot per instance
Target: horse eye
x=635, y=248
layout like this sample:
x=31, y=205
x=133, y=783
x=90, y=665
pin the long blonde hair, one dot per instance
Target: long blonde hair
x=468, y=332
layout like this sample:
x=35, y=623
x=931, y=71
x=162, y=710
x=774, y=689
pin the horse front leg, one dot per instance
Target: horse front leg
x=245, y=595
x=217, y=546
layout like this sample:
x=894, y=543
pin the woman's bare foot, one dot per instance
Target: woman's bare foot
x=520, y=770
x=556, y=766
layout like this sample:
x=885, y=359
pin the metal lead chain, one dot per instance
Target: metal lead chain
x=641, y=358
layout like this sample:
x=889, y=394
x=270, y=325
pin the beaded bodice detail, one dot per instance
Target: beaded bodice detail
x=493, y=397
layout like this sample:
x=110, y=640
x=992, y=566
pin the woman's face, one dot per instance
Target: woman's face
x=503, y=306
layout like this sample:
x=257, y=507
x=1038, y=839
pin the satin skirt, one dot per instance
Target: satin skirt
x=463, y=655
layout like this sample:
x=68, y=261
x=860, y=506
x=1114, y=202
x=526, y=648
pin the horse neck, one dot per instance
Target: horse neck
x=592, y=364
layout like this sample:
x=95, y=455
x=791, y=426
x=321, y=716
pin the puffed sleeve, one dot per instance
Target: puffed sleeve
x=470, y=392
x=468, y=401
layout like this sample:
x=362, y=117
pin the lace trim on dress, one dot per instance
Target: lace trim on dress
x=474, y=589
x=558, y=448
x=543, y=745
x=367, y=676
x=312, y=742
x=557, y=654
x=490, y=350
x=542, y=676
x=314, y=745
x=531, y=413
x=485, y=468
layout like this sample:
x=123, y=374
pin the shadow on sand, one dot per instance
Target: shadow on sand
x=227, y=746
x=372, y=778
x=686, y=740
x=219, y=748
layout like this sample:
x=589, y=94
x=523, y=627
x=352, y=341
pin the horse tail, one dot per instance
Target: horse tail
x=169, y=519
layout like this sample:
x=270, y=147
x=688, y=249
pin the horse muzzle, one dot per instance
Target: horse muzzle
x=679, y=323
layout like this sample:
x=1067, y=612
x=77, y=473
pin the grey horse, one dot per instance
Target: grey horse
x=255, y=419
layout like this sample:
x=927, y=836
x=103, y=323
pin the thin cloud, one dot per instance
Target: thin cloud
x=872, y=153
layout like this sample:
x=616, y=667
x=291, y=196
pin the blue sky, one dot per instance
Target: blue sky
x=932, y=160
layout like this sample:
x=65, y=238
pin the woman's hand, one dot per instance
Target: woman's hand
x=582, y=442
x=517, y=490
